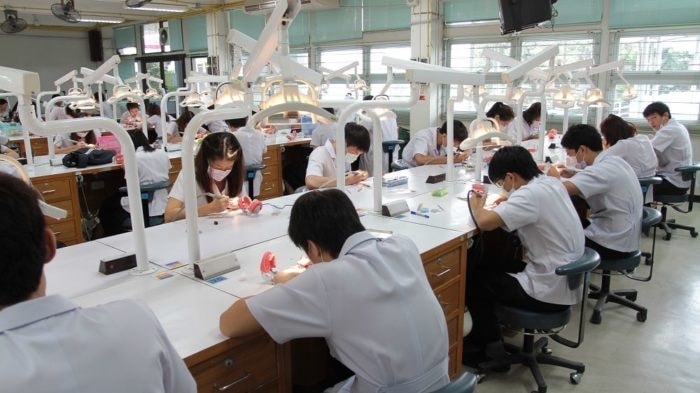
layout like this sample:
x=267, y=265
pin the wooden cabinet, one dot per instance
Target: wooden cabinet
x=175, y=168
x=61, y=191
x=40, y=146
x=256, y=364
x=446, y=268
x=272, y=182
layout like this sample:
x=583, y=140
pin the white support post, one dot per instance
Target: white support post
x=426, y=46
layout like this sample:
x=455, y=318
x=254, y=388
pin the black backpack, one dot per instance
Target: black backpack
x=87, y=156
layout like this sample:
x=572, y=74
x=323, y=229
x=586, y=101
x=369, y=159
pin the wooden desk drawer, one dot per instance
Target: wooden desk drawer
x=453, y=332
x=54, y=190
x=272, y=156
x=449, y=298
x=455, y=365
x=40, y=146
x=244, y=369
x=67, y=205
x=270, y=173
x=443, y=268
x=270, y=189
x=64, y=231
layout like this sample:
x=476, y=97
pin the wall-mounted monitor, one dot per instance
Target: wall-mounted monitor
x=517, y=15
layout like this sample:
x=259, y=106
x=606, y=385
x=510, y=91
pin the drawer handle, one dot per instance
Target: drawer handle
x=269, y=189
x=444, y=304
x=48, y=192
x=442, y=273
x=57, y=233
x=239, y=380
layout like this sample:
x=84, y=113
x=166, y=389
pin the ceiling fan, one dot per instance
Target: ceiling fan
x=136, y=3
x=12, y=23
x=65, y=11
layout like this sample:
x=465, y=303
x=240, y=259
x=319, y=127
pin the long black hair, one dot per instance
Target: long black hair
x=220, y=146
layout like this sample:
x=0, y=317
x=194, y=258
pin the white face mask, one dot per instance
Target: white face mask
x=350, y=158
x=535, y=125
x=218, y=174
x=82, y=134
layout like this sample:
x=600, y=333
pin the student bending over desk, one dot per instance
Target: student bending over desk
x=320, y=171
x=219, y=174
x=428, y=145
x=380, y=318
x=611, y=189
x=541, y=212
x=50, y=344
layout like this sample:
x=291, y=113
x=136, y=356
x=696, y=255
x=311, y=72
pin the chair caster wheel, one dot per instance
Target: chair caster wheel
x=547, y=350
x=575, y=378
x=667, y=236
x=596, y=318
x=649, y=261
x=693, y=234
x=632, y=297
x=642, y=316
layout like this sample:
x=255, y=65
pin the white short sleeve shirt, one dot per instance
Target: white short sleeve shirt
x=423, y=142
x=50, y=345
x=520, y=125
x=322, y=161
x=374, y=307
x=217, y=126
x=614, y=195
x=638, y=152
x=153, y=167
x=253, y=145
x=673, y=148
x=549, y=229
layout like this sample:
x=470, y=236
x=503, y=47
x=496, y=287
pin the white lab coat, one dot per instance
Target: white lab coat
x=50, y=344
x=322, y=133
x=519, y=124
x=673, y=149
x=423, y=142
x=612, y=191
x=253, y=146
x=178, y=191
x=217, y=126
x=322, y=161
x=639, y=153
x=549, y=229
x=153, y=167
x=155, y=122
x=57, y=113
x=379, y=317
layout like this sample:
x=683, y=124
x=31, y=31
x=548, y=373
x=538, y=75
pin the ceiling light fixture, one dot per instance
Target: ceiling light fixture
x=100, y=19
x=159, y=8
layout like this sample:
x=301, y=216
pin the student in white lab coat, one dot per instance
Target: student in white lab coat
x=620, y=139
x=153, y=167
x=427, y=146
x=320, y=172
x=380, y=318
x=253, y=145
x=219, y=175
x=176, y=128
x=528, y=124
x=502, y=113
x=51, y=344
x=58, y=112
x=671, y=143
x=133, y=117
x=215, y=126
x=66, y=143
x=611, y=189
x=540, y=209
x=154, y=119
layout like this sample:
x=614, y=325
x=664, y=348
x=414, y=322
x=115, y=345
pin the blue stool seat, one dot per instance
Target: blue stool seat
x=520, y=319
x=624, y=297
x=251, y=170
x=465, y=383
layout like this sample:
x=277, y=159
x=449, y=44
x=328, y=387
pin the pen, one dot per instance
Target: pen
x=415, y=213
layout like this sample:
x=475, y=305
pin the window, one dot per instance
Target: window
x=570, y=51
x=334, y=59
x=661, y=53
x=376, y=54
x=199, y=64
x=301, y=58
x=469, y=56
x=125, y=40
x=154, y=33
x=660, y=68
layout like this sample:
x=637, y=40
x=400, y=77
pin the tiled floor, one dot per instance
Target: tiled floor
x=623, y=355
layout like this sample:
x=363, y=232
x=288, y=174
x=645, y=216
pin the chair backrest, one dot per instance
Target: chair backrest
x=689, y=173
x=645, y=182
x=465, y=383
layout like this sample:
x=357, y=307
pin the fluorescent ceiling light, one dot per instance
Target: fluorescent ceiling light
x=100, y=19
x=473, y=22
x=159, y=8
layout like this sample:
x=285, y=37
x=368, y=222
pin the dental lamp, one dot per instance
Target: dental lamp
x=479, y=132
x=192, y=81
x=598, y=101
x=24, y=84
x=58, y=82
x=564, y=98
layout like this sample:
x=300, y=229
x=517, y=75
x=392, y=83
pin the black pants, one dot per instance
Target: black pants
x=604, y=252
x=112, y=215
x=488, y=283
x=666, y=188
